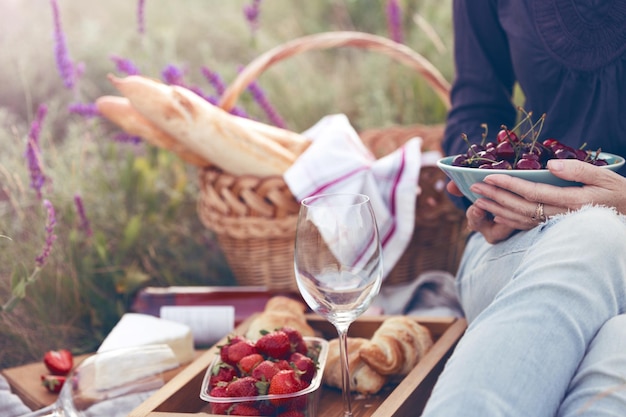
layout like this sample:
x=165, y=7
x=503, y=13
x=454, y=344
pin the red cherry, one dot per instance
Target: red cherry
x=506, y=135
x=528, y=164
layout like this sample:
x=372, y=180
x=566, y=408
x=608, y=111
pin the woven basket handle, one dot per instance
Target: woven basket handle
x=397, y=51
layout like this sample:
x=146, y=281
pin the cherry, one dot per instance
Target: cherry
x=565, y=153
x=506, y=135
x=505, y=150
x=528, y=164
x=510, y=151
x=502, y=165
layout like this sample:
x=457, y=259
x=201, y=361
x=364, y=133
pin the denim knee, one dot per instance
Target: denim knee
x=600, y=229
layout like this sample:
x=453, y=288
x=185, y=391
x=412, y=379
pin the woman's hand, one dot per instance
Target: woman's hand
x=513, y=202
x=482, y=221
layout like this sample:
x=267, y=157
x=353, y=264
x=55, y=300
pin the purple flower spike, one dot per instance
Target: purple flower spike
x=252, y=12
x=67, y=69
x=87, y=110
x=261, y=99
x=33, y=153
x=50, y=236
x=124, y=137
x=173, y=75
x=125, y=65
x=141, y=22
x=394, y=21
x=214, y=79
x=84, y=221
x=218, y=85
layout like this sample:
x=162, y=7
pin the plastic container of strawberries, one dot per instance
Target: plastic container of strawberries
x=306, y=400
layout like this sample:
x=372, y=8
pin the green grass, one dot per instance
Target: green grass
x=141, y=201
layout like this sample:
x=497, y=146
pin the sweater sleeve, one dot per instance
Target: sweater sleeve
x=482, y=89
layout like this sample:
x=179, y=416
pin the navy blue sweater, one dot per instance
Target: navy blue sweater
x=567, y=56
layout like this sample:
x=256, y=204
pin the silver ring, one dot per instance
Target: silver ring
x=539, y=215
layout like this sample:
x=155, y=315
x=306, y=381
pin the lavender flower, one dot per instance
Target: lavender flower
x=68, y=71
x=87, y=110
x=173, y=75
x=252, y=12
x=50, y=236
x=84, y=221
x=394, y=21
x=214, y=79
x=141, y=22
x=124, y=137
x=33, y=153
x=125, y=65
x=261, y=99
x=218, y=85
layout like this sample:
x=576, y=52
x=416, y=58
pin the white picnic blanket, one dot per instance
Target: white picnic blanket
x=338, y=161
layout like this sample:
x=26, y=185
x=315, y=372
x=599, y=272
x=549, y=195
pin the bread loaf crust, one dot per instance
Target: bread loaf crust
x=212, y=133
x=280, y=311
x=119, y=111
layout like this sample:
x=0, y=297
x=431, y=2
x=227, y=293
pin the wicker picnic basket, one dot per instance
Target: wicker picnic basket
x=254, y=219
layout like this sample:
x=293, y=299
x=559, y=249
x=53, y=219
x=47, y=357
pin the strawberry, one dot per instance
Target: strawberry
x=221, y=373
x=239, y=350
x=243, y=409
x=265, y=371
x=284, y=382
x=242, y=387
x=219, y=408
x=248, y=363
x=298, y=344
x=224, y=348
x=59, y=362
x=267, y=408
x=304, y=365
x=53, y=383
x=283, y=365
x=274, y=344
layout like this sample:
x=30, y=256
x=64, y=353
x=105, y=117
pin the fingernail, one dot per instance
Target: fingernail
x=555, y=164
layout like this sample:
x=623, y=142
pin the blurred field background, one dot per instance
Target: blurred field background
x=140, y=202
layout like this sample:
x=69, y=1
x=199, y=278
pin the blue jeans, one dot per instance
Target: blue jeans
x=546, y=336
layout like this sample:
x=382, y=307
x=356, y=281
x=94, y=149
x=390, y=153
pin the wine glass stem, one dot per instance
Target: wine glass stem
x=345, y=370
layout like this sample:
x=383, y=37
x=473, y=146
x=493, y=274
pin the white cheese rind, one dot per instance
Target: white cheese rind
x=136, y=329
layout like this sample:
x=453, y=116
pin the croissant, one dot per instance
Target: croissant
x=396, y=346
x=280, y=311
x=363, y=378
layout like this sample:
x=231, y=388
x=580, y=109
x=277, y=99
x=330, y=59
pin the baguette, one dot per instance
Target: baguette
x=204, y=128
x=119, y=111
x=292, y=141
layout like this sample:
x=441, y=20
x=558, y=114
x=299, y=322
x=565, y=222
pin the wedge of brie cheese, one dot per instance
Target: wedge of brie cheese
x=118, y=372
x=136, y=329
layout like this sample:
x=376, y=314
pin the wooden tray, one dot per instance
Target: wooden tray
x=25, y=381
x=180, y=397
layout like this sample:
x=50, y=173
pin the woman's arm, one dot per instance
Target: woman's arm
x=481, y=93
x=483, y=85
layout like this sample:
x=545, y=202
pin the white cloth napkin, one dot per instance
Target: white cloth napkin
x=338, y=161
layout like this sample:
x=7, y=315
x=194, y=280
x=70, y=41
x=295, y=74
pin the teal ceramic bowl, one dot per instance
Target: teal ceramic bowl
x=464, y=177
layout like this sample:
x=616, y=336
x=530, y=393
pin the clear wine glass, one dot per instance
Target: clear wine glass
x=338, y=263
x=111, y=383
